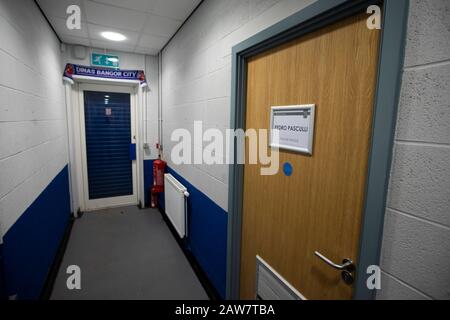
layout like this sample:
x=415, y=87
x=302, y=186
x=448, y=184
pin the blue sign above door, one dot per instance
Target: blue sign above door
x=104, y=60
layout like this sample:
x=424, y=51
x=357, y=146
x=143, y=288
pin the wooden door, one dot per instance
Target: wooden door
x=319, y=207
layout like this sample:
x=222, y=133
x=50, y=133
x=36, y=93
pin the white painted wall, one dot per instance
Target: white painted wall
x=196, y=75
x=33, y=140
x=416, y=246
x=131, y=61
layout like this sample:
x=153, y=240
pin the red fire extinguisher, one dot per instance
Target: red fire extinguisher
x=159, y=167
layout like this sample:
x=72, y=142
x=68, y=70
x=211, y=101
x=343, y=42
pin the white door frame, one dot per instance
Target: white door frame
x=78, y=174
x=95, y=204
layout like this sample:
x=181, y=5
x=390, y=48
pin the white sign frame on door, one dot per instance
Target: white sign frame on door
x=293, y=109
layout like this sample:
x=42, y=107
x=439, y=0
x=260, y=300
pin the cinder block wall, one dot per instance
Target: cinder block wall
x=416, y=244
x=196, y=76
x=33, y=131
x=34, y=188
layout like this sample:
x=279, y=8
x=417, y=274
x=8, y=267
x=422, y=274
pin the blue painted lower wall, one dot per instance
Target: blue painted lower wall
x=207, y=231
x=31, y=244
x=2, y=276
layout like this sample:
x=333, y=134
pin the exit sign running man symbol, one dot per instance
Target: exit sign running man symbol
x=104, y=60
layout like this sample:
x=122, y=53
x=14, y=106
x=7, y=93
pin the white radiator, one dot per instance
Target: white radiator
x=175, y=195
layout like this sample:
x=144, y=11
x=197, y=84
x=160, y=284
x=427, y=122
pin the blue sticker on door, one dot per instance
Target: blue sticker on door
x=287, y=169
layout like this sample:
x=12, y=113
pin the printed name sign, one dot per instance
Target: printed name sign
x=292, y=128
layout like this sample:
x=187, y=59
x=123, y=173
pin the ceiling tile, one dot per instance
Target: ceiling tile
x=161, y=26
x=150, y=41
x=138, y=5
x=175, y=9
x=99, y=44
x=60, y=26
x=114, y=17
x=148, y=51
x=75, y=40
x=54, y=8
x=147, y=24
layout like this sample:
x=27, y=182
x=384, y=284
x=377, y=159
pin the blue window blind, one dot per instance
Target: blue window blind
x=108, y=138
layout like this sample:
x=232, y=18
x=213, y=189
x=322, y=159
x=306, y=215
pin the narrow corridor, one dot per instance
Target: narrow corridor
x=126, y=253
x=224, y=151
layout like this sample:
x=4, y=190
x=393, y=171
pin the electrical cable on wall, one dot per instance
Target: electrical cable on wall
x=145, y=120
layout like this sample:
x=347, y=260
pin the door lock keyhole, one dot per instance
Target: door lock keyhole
x=347, y=277
x=347, y=273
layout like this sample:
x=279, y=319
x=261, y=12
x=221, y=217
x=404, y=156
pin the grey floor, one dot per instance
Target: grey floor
x=126, y=253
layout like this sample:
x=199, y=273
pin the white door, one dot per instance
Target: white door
x=108, y=145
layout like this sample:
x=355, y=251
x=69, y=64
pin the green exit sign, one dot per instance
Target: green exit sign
x=104, y=60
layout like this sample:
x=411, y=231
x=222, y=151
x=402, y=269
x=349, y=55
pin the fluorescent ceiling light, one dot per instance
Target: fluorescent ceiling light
x=113, y=36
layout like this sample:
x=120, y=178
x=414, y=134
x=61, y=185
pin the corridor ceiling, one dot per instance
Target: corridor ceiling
x=147, y=24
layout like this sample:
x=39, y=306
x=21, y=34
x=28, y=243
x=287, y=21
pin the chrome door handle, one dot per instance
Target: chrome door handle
x=347, y=264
